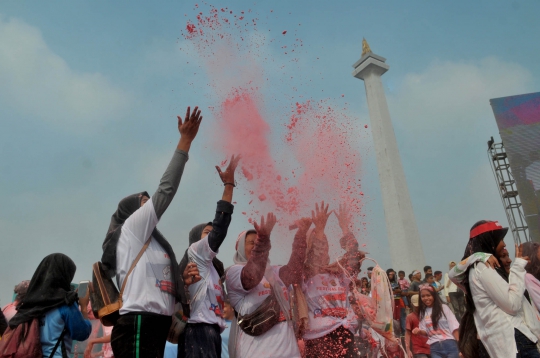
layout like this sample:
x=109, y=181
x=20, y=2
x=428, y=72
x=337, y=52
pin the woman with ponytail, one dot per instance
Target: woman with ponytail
x=494, y=300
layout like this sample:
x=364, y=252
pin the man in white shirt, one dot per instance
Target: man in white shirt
x=439, y=287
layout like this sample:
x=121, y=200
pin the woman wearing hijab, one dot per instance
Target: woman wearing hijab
x=326, y=288
x=494, y=300
x=532, y=278
x=152, y=288
x=202, y=333
x=50, y=299
x=258, y=291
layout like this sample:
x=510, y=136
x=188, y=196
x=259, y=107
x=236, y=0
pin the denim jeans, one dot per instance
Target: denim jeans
x=444, y=349
x=402, y=321
x=526, y=348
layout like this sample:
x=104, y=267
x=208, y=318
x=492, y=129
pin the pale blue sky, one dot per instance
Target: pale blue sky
x=89, y=92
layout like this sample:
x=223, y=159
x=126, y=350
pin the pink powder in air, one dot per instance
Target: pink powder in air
x=190, y=28
x=316, y=150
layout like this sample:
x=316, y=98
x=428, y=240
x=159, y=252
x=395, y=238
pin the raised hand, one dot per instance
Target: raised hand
x=265, y=227
x=189, y=128
x=492, y=262
x=320, y=216
x=344, y=218
x=519, y=252
x=303, y=224
x=191, y=274
x=227, y=177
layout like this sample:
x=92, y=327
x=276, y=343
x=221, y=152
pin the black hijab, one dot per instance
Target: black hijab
x=194, y=236
x=49, y=288
x=126, y=208
x=486, y=242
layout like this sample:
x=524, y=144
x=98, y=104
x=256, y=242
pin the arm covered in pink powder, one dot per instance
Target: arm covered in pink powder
x=292, y=272
x=253, y=272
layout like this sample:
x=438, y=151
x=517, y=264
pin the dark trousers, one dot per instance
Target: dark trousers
x=140, y=335
x=201, y=340
x=526, y=348
x=337, y=344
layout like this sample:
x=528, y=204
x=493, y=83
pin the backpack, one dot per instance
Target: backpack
x=24, y=341
x=21, y=342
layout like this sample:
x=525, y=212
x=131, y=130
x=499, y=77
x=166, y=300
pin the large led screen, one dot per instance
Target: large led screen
x=518, y=119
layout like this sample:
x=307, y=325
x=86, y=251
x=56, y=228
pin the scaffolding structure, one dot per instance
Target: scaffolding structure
x=508, y=191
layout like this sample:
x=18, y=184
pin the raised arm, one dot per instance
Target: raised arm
x=507, y=297
x=457, y=273
x=348, y=242
x=320, y=218
x=253, y=271
x=292, y=272
x=224, y=210
x=171, y=178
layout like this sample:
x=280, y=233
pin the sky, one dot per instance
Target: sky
x=89, y=93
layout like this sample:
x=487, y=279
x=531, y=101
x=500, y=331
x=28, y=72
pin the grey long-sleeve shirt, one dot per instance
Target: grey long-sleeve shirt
x=170, y=181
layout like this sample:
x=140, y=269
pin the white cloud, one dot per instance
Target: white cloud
x=34, y=81
x=443, y=119
x=451, y=98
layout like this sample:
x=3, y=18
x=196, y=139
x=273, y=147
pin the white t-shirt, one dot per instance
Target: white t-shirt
x=328, y=304
x=149, y=287
x=446, y=325
x=209, y=307
x=279, y=341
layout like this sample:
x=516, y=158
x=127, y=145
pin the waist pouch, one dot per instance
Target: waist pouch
x=260, y=321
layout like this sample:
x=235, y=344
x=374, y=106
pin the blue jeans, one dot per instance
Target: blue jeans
x=444, y=349
x=526, y=348
x=402, y=320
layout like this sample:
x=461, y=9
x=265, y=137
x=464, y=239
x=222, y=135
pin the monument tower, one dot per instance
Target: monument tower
x=405, y=246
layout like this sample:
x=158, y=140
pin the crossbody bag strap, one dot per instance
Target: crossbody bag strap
x=146, y=244
x=58, y=342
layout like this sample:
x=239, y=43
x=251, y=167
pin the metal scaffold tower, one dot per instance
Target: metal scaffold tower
x=508, y=191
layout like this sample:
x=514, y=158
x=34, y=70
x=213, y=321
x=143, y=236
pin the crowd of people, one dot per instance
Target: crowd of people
x=484, y=306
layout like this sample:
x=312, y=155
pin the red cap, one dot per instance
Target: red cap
x=489, y=226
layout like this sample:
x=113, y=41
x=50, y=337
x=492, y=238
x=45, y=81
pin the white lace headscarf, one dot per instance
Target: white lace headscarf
x=239, y=258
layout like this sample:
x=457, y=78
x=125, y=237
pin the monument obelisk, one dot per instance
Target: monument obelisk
x=405, y=246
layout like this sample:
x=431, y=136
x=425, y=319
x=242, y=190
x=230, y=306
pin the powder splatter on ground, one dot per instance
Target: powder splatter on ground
x=295, y=152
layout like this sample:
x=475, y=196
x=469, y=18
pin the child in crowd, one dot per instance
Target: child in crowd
x=430, y=280
x=404, y=285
